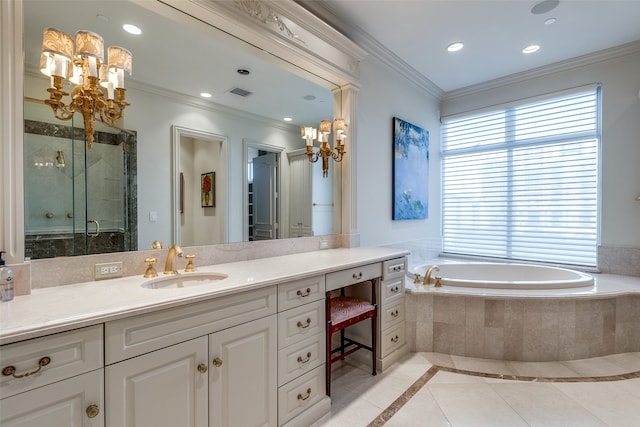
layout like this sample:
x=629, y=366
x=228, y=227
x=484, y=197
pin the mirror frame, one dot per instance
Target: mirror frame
x=315, y=47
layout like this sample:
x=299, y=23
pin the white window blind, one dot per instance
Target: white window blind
x=521, y=182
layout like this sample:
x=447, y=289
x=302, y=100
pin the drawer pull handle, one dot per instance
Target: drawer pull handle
x=301, y=397
x=92, y=411
x=357, y=276
x=202, y=368
x=395, y=313
x=303, y=361
x=395, y=339
x=11, y=370
x=217, y=362
x=395, y=289
x=306, y=294
x=397, y=268
x=304, y=326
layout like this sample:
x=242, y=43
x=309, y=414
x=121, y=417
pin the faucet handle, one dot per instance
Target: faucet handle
x=190, y=266
x=417, y=280
x=157, y=244
x=438, y=283
x=150, y=272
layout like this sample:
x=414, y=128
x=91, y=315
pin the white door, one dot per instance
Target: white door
x=167, y=387
x=300, y=193
x=265, y=184
x=243, y=375
x=75, y=402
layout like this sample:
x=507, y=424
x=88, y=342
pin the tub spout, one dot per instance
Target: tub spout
x=427, y=275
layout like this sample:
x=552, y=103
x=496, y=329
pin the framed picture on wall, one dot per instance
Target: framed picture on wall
x=410, y=171
x=208, y=189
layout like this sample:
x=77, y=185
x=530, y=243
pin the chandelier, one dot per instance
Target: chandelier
x=325, y=152
x=87, y=70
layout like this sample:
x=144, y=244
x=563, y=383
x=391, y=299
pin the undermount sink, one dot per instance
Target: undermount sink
x=186, y=280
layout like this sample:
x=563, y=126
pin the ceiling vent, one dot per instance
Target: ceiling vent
x=240, y=92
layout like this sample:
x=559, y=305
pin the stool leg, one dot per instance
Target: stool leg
x=374, y=323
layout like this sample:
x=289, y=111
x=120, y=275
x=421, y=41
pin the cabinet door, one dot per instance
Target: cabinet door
x=75, y=402
x=166, y=387
x=243, y=378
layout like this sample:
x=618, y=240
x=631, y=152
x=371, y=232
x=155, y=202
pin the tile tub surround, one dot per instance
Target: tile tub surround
x=530, y=326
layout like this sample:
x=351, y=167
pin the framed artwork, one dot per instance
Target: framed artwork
x=208, y=189
x=410, y=171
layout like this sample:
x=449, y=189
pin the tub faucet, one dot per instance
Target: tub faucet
x=168, y=265
x=427, y=275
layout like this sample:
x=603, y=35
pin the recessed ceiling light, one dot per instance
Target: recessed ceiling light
x=205, y=94
x=309, y=97
x=544, y=6
x=530, y=49
x=132, y=29
x=102, y=17
x=287, y=119
x=550, y=21
x=454, y=47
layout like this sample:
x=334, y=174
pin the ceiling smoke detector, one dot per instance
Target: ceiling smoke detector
x=544, y=6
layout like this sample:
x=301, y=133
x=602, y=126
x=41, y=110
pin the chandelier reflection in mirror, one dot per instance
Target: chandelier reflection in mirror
x=87, y=70
x=325, y=152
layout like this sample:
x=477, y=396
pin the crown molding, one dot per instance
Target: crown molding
x=323, y=11
x=579, y=61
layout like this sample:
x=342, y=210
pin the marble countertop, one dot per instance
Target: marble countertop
x=60, y=308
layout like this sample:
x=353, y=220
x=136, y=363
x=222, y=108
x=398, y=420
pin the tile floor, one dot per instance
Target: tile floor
x=431, y=389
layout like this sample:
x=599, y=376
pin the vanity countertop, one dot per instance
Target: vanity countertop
x=60, y=308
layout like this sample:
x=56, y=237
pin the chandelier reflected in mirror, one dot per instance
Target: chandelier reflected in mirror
x=86, y=69
x=322, y=134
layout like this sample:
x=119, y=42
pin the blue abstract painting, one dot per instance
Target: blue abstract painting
x=410, y=171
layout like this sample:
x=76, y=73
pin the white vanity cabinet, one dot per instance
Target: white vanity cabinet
x=210, y=363
x=54, y=381
x=301, y=352
x=391, y=312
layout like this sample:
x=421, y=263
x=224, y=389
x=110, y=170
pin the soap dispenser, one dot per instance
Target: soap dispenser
x=6, y=281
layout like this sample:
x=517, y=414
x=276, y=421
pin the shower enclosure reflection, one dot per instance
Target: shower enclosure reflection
x=77, y=201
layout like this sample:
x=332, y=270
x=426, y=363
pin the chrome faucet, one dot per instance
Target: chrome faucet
x=168, y=265
x=427, y=275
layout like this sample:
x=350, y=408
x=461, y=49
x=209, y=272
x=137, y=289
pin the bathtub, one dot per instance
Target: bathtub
x=504, y=276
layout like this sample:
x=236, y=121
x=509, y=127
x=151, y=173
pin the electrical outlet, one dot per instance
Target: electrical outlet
x=108, y=270
x=324, y=244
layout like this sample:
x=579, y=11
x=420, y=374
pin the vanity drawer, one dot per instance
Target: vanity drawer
x=392, y=290
x=300, y=394
x=300, y=358
x=392, y=314
x=351, y=276
x=301, y=322
x=299, y=292
x=394, y=268
x=70, y=353
x=392, y=339
x=133, y=336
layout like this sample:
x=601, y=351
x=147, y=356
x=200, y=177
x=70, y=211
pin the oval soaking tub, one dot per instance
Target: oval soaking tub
x=505, y=276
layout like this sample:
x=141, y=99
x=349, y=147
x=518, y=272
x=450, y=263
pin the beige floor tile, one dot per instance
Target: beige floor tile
x=358, y=413
x=544, y=405
x=474, y=404
x=609, y=401
x=483, y=365
x=630, y=362
x=595, y=367
x=444, y=377
x=543, y=369
x=422, y=409
x=387, y=389
x=439, y=359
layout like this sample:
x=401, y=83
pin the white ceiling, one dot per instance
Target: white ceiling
x=185, y=59
x=494, y=33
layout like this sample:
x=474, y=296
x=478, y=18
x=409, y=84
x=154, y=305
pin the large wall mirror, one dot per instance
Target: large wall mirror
x=179, y=136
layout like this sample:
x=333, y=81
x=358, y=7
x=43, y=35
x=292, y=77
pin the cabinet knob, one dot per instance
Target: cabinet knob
x=217, y=362
x=92, y=411
x=202, y=368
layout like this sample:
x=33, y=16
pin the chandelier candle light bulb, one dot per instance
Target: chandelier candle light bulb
x=85, y=69
x=325, y=152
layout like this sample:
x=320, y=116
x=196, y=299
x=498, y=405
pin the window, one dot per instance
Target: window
x=521, y=182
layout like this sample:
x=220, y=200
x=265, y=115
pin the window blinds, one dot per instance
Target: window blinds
x=521, y=182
